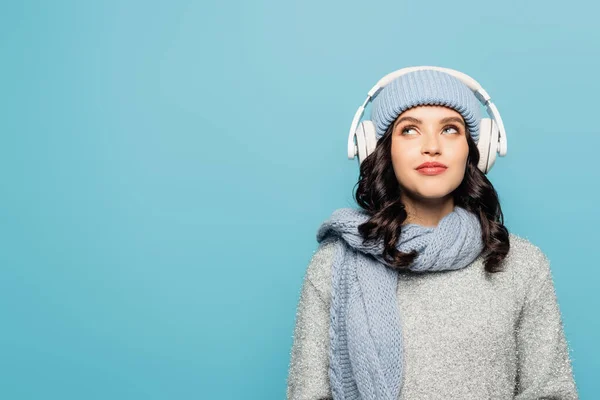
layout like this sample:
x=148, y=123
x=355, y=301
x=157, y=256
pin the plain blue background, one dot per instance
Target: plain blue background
x=165, y=167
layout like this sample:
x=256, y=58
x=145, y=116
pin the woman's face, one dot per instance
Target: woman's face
x=424, y=134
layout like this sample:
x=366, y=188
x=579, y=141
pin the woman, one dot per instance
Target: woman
x=423, y=293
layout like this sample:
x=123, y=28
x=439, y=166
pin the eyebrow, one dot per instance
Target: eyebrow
x=442, y=121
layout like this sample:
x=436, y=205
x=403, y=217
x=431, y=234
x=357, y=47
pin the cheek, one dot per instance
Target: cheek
x=458, y=153
x=402, y=158
x=460, y=164
x=464, y=159
x=403, y=162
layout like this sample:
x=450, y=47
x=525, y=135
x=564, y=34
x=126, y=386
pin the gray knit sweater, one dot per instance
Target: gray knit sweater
x=467, y=334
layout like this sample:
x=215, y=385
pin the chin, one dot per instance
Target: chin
x=433, y=193
x=433, y=196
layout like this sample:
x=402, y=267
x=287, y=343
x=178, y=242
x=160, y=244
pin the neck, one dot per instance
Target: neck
x=427, y=212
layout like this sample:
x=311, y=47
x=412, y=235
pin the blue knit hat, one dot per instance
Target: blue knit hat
x=425, y=87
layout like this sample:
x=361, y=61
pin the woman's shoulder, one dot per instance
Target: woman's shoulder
x=320, y=266
x=524, y=250
x=527, y=261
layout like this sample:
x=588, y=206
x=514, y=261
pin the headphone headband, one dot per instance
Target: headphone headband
x=471, y=83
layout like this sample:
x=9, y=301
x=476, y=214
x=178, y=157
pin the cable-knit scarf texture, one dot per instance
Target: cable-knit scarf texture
x=366, y=355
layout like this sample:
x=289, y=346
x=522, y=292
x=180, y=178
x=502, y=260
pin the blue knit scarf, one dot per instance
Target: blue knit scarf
x=366, y=355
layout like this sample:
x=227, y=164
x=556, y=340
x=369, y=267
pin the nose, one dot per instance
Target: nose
x=431, y=144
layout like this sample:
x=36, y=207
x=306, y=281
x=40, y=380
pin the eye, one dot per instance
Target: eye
x=408, y=128
x=452, y=127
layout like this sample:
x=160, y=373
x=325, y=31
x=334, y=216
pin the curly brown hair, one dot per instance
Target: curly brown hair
x=379, y=193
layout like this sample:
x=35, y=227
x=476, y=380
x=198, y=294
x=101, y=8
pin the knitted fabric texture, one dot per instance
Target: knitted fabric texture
x=366, y=355
x=425, y=87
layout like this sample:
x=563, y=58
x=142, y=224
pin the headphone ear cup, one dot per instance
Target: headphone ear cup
x=483, y=145
x=494, y=145
x=366, y=139
x=370, y=136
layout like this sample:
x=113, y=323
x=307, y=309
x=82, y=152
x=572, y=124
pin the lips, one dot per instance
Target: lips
x=432, y=164
x=431, y=168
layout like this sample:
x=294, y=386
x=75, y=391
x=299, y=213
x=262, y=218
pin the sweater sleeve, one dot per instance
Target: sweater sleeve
x=308, y=376
x=544, y=366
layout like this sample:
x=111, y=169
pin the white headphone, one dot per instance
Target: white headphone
x=492, y=137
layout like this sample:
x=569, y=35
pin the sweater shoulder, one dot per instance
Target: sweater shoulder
x=320, y=267
x=522, y=250
x=526, y=261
